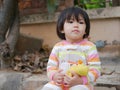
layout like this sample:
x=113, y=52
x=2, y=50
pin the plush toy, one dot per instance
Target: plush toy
x=80, y=68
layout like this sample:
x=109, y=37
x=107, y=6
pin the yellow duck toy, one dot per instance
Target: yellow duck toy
x=80, y=68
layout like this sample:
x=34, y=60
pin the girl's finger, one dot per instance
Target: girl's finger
x=58, y=84
x=60, y=70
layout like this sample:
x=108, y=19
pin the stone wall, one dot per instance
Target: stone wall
x=105, y=27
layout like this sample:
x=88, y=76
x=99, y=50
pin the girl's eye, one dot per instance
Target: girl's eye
x=70, y=21
x=81, y=22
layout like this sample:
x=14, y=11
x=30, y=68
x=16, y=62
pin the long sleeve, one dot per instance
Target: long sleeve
x=52, y=65
x=65, y=54
x=93, y=63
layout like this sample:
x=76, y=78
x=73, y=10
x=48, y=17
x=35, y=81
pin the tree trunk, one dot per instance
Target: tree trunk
x=9, y=30
x=13, y=34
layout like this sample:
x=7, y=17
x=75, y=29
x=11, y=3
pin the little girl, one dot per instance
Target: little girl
x=73, y=28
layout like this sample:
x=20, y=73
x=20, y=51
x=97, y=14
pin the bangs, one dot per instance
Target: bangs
x=75, y=13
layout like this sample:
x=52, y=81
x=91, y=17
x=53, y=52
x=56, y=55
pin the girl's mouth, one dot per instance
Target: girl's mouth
x=75, y=31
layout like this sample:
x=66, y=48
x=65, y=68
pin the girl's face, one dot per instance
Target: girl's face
x=74, y=30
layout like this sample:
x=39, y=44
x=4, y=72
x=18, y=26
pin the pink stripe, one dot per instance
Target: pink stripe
x=85, y=81
x=80, y=42
x=83, y=41
x=52, y=54
x=93, y=56
x=96, y=71
x=65, y=42
x=52, y=75
x=48, y=69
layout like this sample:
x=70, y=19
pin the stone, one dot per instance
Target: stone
x=28, y=43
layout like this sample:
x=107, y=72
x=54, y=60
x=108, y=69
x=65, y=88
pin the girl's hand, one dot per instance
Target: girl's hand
x=58, y=77
x=72, y=81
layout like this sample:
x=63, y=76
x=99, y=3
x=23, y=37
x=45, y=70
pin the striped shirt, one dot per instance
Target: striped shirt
x=65, y=54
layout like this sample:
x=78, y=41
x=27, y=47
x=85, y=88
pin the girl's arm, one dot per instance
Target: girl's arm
x=52, y=66
x=93, y=63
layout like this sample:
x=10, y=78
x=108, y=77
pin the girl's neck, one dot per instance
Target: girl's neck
x=74, y=41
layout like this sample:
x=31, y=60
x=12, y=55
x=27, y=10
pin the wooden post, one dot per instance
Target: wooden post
x=107, y=3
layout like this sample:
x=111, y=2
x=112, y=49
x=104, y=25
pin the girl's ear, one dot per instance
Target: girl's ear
x=62, y=31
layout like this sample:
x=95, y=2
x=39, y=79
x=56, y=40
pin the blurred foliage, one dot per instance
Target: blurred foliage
x=52, y=5
x=91, y=4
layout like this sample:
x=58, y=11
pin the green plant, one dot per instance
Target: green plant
x=90, y=4
x=52, y=5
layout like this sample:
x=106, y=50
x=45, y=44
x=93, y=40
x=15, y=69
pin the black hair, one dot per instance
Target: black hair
x=66, y=14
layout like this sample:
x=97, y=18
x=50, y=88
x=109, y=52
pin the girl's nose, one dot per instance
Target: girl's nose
x=75, y=24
